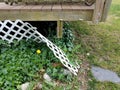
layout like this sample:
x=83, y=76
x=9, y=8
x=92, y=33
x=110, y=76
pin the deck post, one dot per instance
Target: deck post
x=59, y=29
x=106, y=9
x=97, y=15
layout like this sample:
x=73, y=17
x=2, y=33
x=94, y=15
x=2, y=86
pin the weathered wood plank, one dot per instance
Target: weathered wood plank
x=4, y=6
x=37, y=7
x=78, y=7
x=66, y=7
x=59, y=29
x=17, y=8
x=106, y=9
x=1, y=3
x=57, y=7
x=47, y=7
x=46, y=15
x=45, y=12
x=27, y=7
x=97, y=15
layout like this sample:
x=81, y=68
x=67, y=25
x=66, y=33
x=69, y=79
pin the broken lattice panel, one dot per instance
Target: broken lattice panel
x=19, y=30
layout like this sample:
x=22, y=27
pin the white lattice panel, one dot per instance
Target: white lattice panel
x=19, y=30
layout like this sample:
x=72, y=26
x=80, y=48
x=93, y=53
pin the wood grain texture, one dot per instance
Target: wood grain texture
x=59, y=29
x=37, y=7
x=57, y=7
x=55, y=12
x=46, y=15
x=66, y=7
x=47, y=7
x=4, y=6
x=106, y=9
x=97, y=15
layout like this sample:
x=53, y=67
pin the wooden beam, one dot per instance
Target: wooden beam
x=97, y=15
x=59, y=28
x=46, y=15
x=106, y=9
x=50, y=7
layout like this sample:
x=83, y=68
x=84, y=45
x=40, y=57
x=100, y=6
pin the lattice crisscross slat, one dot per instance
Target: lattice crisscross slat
x=19, y=30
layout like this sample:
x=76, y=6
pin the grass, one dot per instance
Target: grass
x=102, y=41
x=108, y=33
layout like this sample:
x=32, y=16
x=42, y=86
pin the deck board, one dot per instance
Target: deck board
x=81, y=7
x=5, y=6
x=66, y=7
x=37, y=7
x=46, y=12
x=49, y=7
x=17, y=8
x=57, y=7
x=29, y=7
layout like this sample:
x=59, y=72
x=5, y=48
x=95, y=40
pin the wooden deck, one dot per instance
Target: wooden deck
x=56, y=12
x=47, y=12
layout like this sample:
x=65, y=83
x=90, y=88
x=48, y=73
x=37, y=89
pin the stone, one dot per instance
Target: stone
x=25, y=86
x=66, y=72
x=88, y=54
x=102, y=75
x=47, y=77
x=38, y=86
